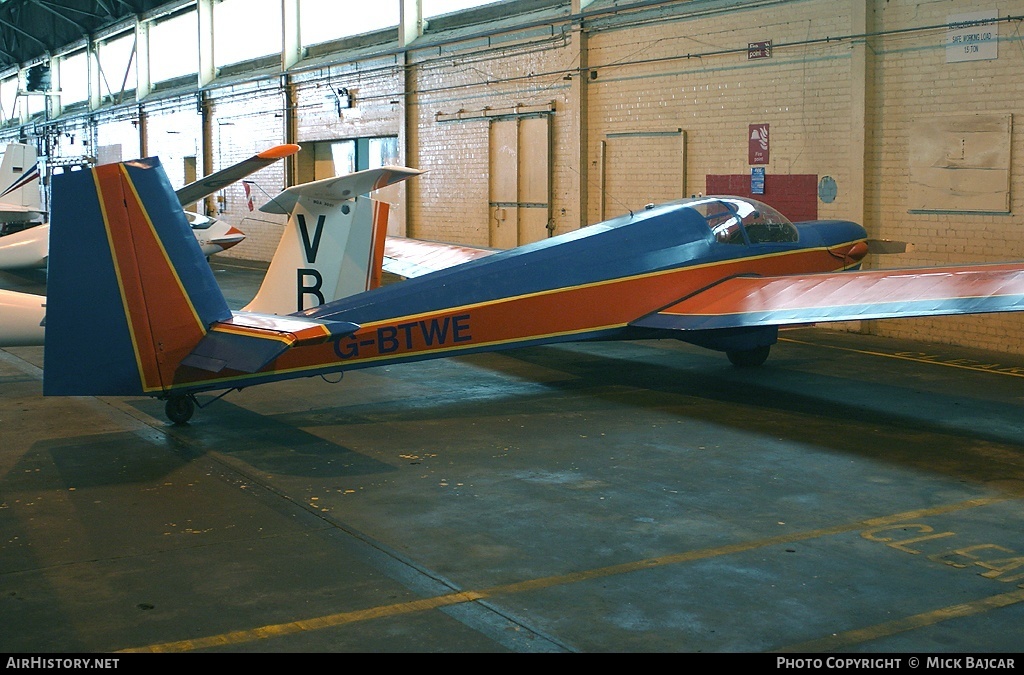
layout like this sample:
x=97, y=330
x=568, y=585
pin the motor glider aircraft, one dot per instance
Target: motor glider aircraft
x=720, y=272
x=28, y=249
x=23, y=315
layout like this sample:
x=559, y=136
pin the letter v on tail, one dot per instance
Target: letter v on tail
x=333, y=244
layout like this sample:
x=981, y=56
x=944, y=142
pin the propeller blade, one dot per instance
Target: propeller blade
x=884, y=246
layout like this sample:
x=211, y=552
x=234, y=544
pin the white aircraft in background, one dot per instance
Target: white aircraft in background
x=28, y=249
x=20, y=203
x=21, y=209
x=23, y=315
x=22, y=318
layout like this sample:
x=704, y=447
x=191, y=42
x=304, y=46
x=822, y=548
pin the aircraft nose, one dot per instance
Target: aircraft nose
x=850, y=254
x=229, y=238
x=857, y=252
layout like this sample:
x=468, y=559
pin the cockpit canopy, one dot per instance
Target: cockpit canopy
x=740, y=220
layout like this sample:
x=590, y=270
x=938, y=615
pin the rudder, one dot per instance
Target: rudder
x=129, y=293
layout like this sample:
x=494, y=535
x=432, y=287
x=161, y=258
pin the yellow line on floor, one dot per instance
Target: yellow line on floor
x=841, y=641
x=278, y=630
x=903, y=357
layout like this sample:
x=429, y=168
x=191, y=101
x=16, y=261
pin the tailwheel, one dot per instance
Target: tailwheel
x=179, y=409
x=749, y=357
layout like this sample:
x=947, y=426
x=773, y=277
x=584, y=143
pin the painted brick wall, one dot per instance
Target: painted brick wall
x=795, y=197
x=118, y=131
x=175, y=133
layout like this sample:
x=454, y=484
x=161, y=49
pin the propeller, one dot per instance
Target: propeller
x=885, y=246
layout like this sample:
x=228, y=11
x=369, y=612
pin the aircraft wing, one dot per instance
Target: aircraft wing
x=204, y=187
x=413, y=257
x=846, y=296
x=340, y=187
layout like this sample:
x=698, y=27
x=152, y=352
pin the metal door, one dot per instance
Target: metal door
x=520, y=180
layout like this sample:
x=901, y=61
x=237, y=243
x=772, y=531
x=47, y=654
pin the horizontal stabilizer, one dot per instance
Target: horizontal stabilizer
x=340, y=187
x=846, y=296
x=248, y=341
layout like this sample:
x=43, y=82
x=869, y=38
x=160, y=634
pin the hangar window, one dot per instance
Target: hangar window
x=174, y=47
x=34, y=104
x=117, y=66
x=247, y=30
x=9, y=98
x=74, y=78
x=439, y=7
x=325, y=20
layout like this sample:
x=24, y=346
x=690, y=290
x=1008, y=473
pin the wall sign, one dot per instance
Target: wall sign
x=757, y=152
x=757, y=180
x=972, y=37
x=759, y=50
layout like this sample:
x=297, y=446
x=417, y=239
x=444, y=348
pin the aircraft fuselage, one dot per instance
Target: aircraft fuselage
x=586, y=285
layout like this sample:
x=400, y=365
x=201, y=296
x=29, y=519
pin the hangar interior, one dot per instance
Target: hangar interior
x=862, y=494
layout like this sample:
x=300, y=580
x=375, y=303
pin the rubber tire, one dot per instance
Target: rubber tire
x=749, y=358
x=179, y=409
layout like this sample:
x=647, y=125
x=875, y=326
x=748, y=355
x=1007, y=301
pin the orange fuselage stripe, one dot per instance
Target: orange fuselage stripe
x=564, y=312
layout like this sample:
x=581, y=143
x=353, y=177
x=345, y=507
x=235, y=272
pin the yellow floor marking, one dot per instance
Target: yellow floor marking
x=841, y=641
x=317, y=623
x=907, y=358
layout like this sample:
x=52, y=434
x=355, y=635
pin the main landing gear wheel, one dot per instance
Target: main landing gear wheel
x=749, y=357
x=179, y=409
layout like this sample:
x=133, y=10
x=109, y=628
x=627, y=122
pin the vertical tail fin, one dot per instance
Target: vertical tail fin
x=327, y=251
x=333, y=244
x=129, y=292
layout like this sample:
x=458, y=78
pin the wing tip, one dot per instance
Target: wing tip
x=279, y=151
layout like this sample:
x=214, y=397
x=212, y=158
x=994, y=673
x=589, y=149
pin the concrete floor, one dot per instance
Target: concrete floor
x=854, y=495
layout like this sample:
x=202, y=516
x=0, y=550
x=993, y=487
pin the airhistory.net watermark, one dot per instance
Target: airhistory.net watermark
x=54, y=663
